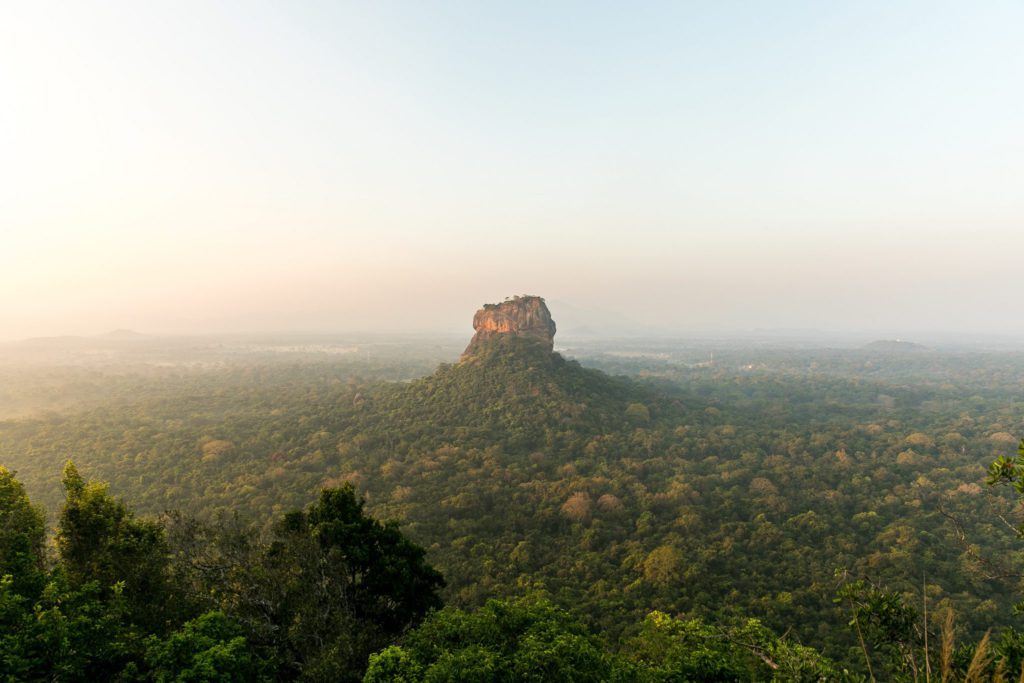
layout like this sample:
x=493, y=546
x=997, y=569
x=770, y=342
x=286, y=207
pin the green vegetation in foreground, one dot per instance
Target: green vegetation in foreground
x=532, y=640
x=335, y=596
x=133, y=599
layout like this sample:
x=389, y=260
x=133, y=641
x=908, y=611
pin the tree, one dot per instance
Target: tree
x=389, y=579
x=22, y=533
x=332, y=585
x=208, y=648
x=66, y=634
x=351, y=584
x=664, y=566
x=100, y=541
x=1009, y=471
x=672, y=649
x=883, y=619
x=49, y=628
x=525, y=639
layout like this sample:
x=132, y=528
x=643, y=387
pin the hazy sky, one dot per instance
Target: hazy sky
x=179, y=167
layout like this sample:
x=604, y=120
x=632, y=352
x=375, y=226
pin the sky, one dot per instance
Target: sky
x=184, y=167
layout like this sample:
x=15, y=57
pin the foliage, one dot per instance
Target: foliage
x=900, y=644
x=349, y=585
x=738, y=492
x=22, y=533
x=101, y=541
x=689, y=649
x=173, y=600
x=208, y=648
x=66, y=633
x=522, y=640
x=1008, y=470
x=329, y=586
x=530, y=639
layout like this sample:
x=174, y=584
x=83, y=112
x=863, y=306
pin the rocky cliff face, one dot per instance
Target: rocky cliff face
x=521, y=316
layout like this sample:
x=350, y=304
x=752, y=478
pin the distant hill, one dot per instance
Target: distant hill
x=894, y=346
x=122, y=334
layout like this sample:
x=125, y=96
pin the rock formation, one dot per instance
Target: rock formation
x=520, y=316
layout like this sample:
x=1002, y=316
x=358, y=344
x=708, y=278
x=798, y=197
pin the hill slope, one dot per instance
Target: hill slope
x=512, y=392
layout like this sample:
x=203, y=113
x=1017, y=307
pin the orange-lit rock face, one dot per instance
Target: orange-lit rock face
x=523, y=316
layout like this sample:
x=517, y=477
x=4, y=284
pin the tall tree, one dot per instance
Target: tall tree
x=22, y=533
x=353, y=584
x=100, y=540
x=332, y=586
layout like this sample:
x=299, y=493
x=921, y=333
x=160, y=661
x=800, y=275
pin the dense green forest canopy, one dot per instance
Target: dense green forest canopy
x=323, y=597
x=721, y=490
x=134, y=599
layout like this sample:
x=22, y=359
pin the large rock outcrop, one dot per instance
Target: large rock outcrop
x=521, y=316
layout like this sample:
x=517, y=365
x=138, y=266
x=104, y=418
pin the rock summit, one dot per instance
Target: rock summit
x=521, y=316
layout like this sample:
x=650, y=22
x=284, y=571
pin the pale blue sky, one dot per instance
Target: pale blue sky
x=177, y=167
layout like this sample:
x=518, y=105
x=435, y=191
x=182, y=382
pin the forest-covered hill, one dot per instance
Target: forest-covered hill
x=732, y=489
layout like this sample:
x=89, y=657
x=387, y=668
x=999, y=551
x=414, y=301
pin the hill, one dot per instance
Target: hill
x=122, y=334
x=512, y=392
x=894, y=346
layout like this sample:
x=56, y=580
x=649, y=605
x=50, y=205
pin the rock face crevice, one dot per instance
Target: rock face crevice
x=520, y=316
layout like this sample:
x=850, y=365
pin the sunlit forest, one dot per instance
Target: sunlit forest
x=353, y=509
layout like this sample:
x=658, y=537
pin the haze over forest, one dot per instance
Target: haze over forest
x=386, y=341
x=691, y=168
